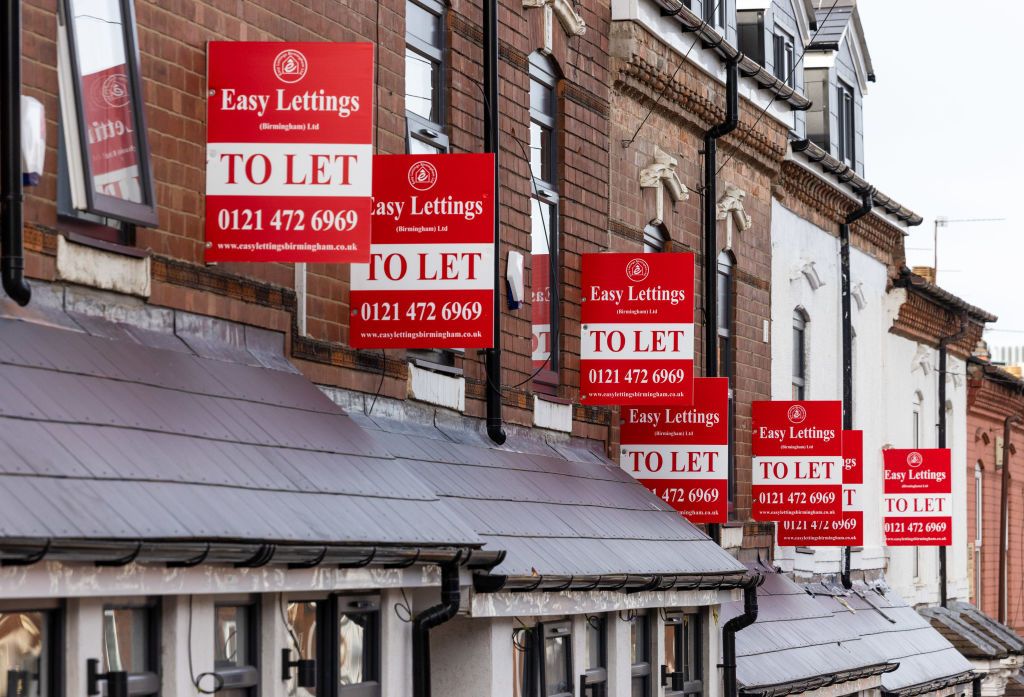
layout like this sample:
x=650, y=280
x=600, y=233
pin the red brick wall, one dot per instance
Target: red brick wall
x=989, y=403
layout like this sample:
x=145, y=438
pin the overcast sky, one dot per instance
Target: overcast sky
x=942, y=136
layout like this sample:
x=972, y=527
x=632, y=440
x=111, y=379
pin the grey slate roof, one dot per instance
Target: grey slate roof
x=122, y=433
x=832, y=23
x=797, y=644
x=896, y=632
x=972, y=632
x=558, y=510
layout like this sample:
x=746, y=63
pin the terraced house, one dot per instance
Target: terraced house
x=208, y=489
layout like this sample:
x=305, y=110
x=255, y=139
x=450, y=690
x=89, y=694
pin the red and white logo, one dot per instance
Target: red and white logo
x=915, y=459
x=422, y=176
x=637, y=270
x=290, y=66
x=115, y=91
x=796, y=414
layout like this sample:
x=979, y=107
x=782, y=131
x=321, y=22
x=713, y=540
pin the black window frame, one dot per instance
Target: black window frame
x=846, y=132
x=53, y=612
x=688, y=643
x=784, y=56
x=594, y=679
x=549, y=632
x=643, y=668
x=544, y=197
x=799, y=365
x=144, y=683
x=143, y=213
x=726, y=288
x=244, y=679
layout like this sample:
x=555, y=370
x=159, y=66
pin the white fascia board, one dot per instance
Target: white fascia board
x=508, y=604
x=845, y=188
x=853, y=39
x=648, y=15
x=819, y=59
x=743, y=5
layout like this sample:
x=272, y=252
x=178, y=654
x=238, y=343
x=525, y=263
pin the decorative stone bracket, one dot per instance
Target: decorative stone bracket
x=661, y=175
x=730, y=209
x=571, y=21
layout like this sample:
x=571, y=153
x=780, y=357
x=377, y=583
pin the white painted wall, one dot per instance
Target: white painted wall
x=472, y=657
x=887, y=375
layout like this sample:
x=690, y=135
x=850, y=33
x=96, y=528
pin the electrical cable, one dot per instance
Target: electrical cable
x=672, y=80
x=775, y=96
x=380, y=385
x=404, y=606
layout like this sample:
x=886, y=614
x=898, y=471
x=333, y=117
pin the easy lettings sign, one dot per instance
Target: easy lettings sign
x=637, y=333
x=430, y=280
x=289, y=151
x=798, y=460
x=918, y=497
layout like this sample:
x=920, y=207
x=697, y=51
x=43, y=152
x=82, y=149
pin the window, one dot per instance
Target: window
x=544, y=220
x=557, y=665
x=130, y=646
x=29, y=646
x=847, y=124
x=235, y=649
x=595, y=676
x=424, y=77
x=104, y=127
x=525, y=662
x=683, y=655
x=640, y=655
x=799, y=354
x=725, y=290
x=714, y=13
x=346, y=628
x=784, y=65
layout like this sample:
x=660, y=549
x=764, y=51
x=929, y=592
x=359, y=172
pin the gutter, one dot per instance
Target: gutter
x=627, y=583
x=690, y=23
x=12, y=259
x=819, y=681
x=944, y=342
x=931, y=685
x=867, y=203
x=242, y=554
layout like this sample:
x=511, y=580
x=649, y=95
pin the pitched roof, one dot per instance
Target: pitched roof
x=972, y=632
x=564, y=513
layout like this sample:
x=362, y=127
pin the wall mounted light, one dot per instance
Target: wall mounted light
x=117, y=681
x=305, y=669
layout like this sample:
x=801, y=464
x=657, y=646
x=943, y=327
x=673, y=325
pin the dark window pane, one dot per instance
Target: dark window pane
x=126, y=640
x=302, y=631
x=24, y=653
x=638, y=651
x=422, y=147
x=595, y=642
x=422, y=86
x=542, y=98
x=541, y=154
x=424, y=25
x=231, y=637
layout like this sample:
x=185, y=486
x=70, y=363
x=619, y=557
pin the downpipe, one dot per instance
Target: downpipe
x=710, y=202
x=867, y=203
x=491, y=145
x=736, y=624
x=12, y=259
x=944, y=343
x=451, y=597
x=1004, y=501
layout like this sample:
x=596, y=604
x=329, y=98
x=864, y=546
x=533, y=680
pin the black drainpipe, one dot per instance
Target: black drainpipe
x=710, y=294
x=451, y=596
x=976, y=685
x=493, y=355
x=734, y=625
x=867, y=203
x=943, y=343
x=12, y=259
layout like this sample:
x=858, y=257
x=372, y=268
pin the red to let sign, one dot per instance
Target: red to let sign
x=637, y=339
x=846, y=530
x=430, y=280
x=682, y=453
x=289, y=147
x=918, y=499
x=798, y=460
